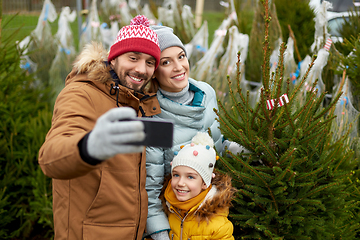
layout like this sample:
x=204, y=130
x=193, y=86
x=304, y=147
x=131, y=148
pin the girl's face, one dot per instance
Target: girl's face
x=186, y=183
x=173, y=71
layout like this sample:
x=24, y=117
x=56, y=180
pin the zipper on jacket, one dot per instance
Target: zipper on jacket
x=182, y=225
x=181, y=228
x=182, y=222
x=140, y=206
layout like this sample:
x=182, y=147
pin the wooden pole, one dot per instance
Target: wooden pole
x=0, y=17
x=295, y=45
x=198, y=12
x=79, y=17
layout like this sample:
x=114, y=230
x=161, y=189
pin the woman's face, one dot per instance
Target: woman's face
x=173, y=71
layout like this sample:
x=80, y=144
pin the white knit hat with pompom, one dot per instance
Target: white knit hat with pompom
x=198, y=155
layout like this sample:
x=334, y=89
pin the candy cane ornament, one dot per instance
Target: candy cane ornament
x=328, y=44
x=271, y=103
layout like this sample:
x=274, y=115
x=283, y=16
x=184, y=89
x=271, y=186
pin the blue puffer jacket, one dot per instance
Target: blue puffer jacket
x=188, y=120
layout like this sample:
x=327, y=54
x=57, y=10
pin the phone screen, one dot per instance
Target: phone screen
x=159, y=133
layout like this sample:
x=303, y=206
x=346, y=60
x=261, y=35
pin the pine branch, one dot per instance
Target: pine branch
x=345, y=157
x=306, y=175
x=280, y=72
x=285, y=157
x=232, y=95
x=306, y=114
x=256, y=115
x=251, y=169
x=227, y=119
x=329, y=107
x=258, y=190
x=318, y=126
x=266, y=50
x=229, y=129
x=279, y=178
x=318, y=189
x=231, y=169
x=299, y=86
x=290, y=120
x=263, y=149
x=315, y=133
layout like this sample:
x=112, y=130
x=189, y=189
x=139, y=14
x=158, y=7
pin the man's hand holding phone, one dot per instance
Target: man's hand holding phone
x=120, y=131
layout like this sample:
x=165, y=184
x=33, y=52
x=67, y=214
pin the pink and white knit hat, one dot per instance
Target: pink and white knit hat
x=136, y=37
x=199, y=155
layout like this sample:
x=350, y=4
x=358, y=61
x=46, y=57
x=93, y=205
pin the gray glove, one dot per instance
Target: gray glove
x=164, y=235
x=111, y=136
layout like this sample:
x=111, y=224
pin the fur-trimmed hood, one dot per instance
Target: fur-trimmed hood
x=217, y=201
x=219, y=198
x=92, y=68
x=92, y=61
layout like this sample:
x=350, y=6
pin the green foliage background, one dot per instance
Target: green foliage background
x=25, y=192
x=299, y=16
x=25, y=117
x=295, y=180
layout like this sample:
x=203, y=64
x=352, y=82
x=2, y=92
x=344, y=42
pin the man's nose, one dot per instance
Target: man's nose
x=141, y=67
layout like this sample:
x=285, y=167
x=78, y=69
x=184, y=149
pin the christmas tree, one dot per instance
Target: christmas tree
x=295, y=181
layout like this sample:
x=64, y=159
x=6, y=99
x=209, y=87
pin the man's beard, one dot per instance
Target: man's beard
x=139, y=88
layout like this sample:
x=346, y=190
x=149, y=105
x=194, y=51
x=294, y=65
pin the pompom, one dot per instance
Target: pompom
x=203, y=138
x=140, y=20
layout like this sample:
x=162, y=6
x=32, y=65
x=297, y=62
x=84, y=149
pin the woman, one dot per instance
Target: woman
x=190, y=105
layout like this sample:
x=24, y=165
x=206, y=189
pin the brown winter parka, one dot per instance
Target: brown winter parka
x=103, y=201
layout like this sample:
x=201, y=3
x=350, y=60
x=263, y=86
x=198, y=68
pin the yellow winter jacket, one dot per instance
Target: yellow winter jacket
x=208, y=219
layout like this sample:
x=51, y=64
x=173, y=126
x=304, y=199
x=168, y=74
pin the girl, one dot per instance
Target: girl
x=197, y=202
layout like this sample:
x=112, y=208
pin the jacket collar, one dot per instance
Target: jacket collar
x=146, y=104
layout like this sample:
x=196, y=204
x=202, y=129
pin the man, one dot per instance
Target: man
x=98, y=176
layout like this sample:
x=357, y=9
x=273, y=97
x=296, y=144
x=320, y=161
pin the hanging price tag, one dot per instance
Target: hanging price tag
x=283, y=100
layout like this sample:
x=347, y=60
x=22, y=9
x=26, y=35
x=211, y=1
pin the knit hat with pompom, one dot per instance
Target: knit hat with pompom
x=136, y=37
x=198, y=155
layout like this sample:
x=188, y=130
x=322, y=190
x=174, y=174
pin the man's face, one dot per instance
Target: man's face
x=134, y=69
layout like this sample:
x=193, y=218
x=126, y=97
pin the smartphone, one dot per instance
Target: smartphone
x=159, y=133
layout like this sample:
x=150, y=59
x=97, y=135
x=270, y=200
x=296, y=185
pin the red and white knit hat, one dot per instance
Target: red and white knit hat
x=136, y=37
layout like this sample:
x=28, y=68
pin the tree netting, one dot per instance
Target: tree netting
x=347, y=117
x=213, y=64
x=66, y=53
